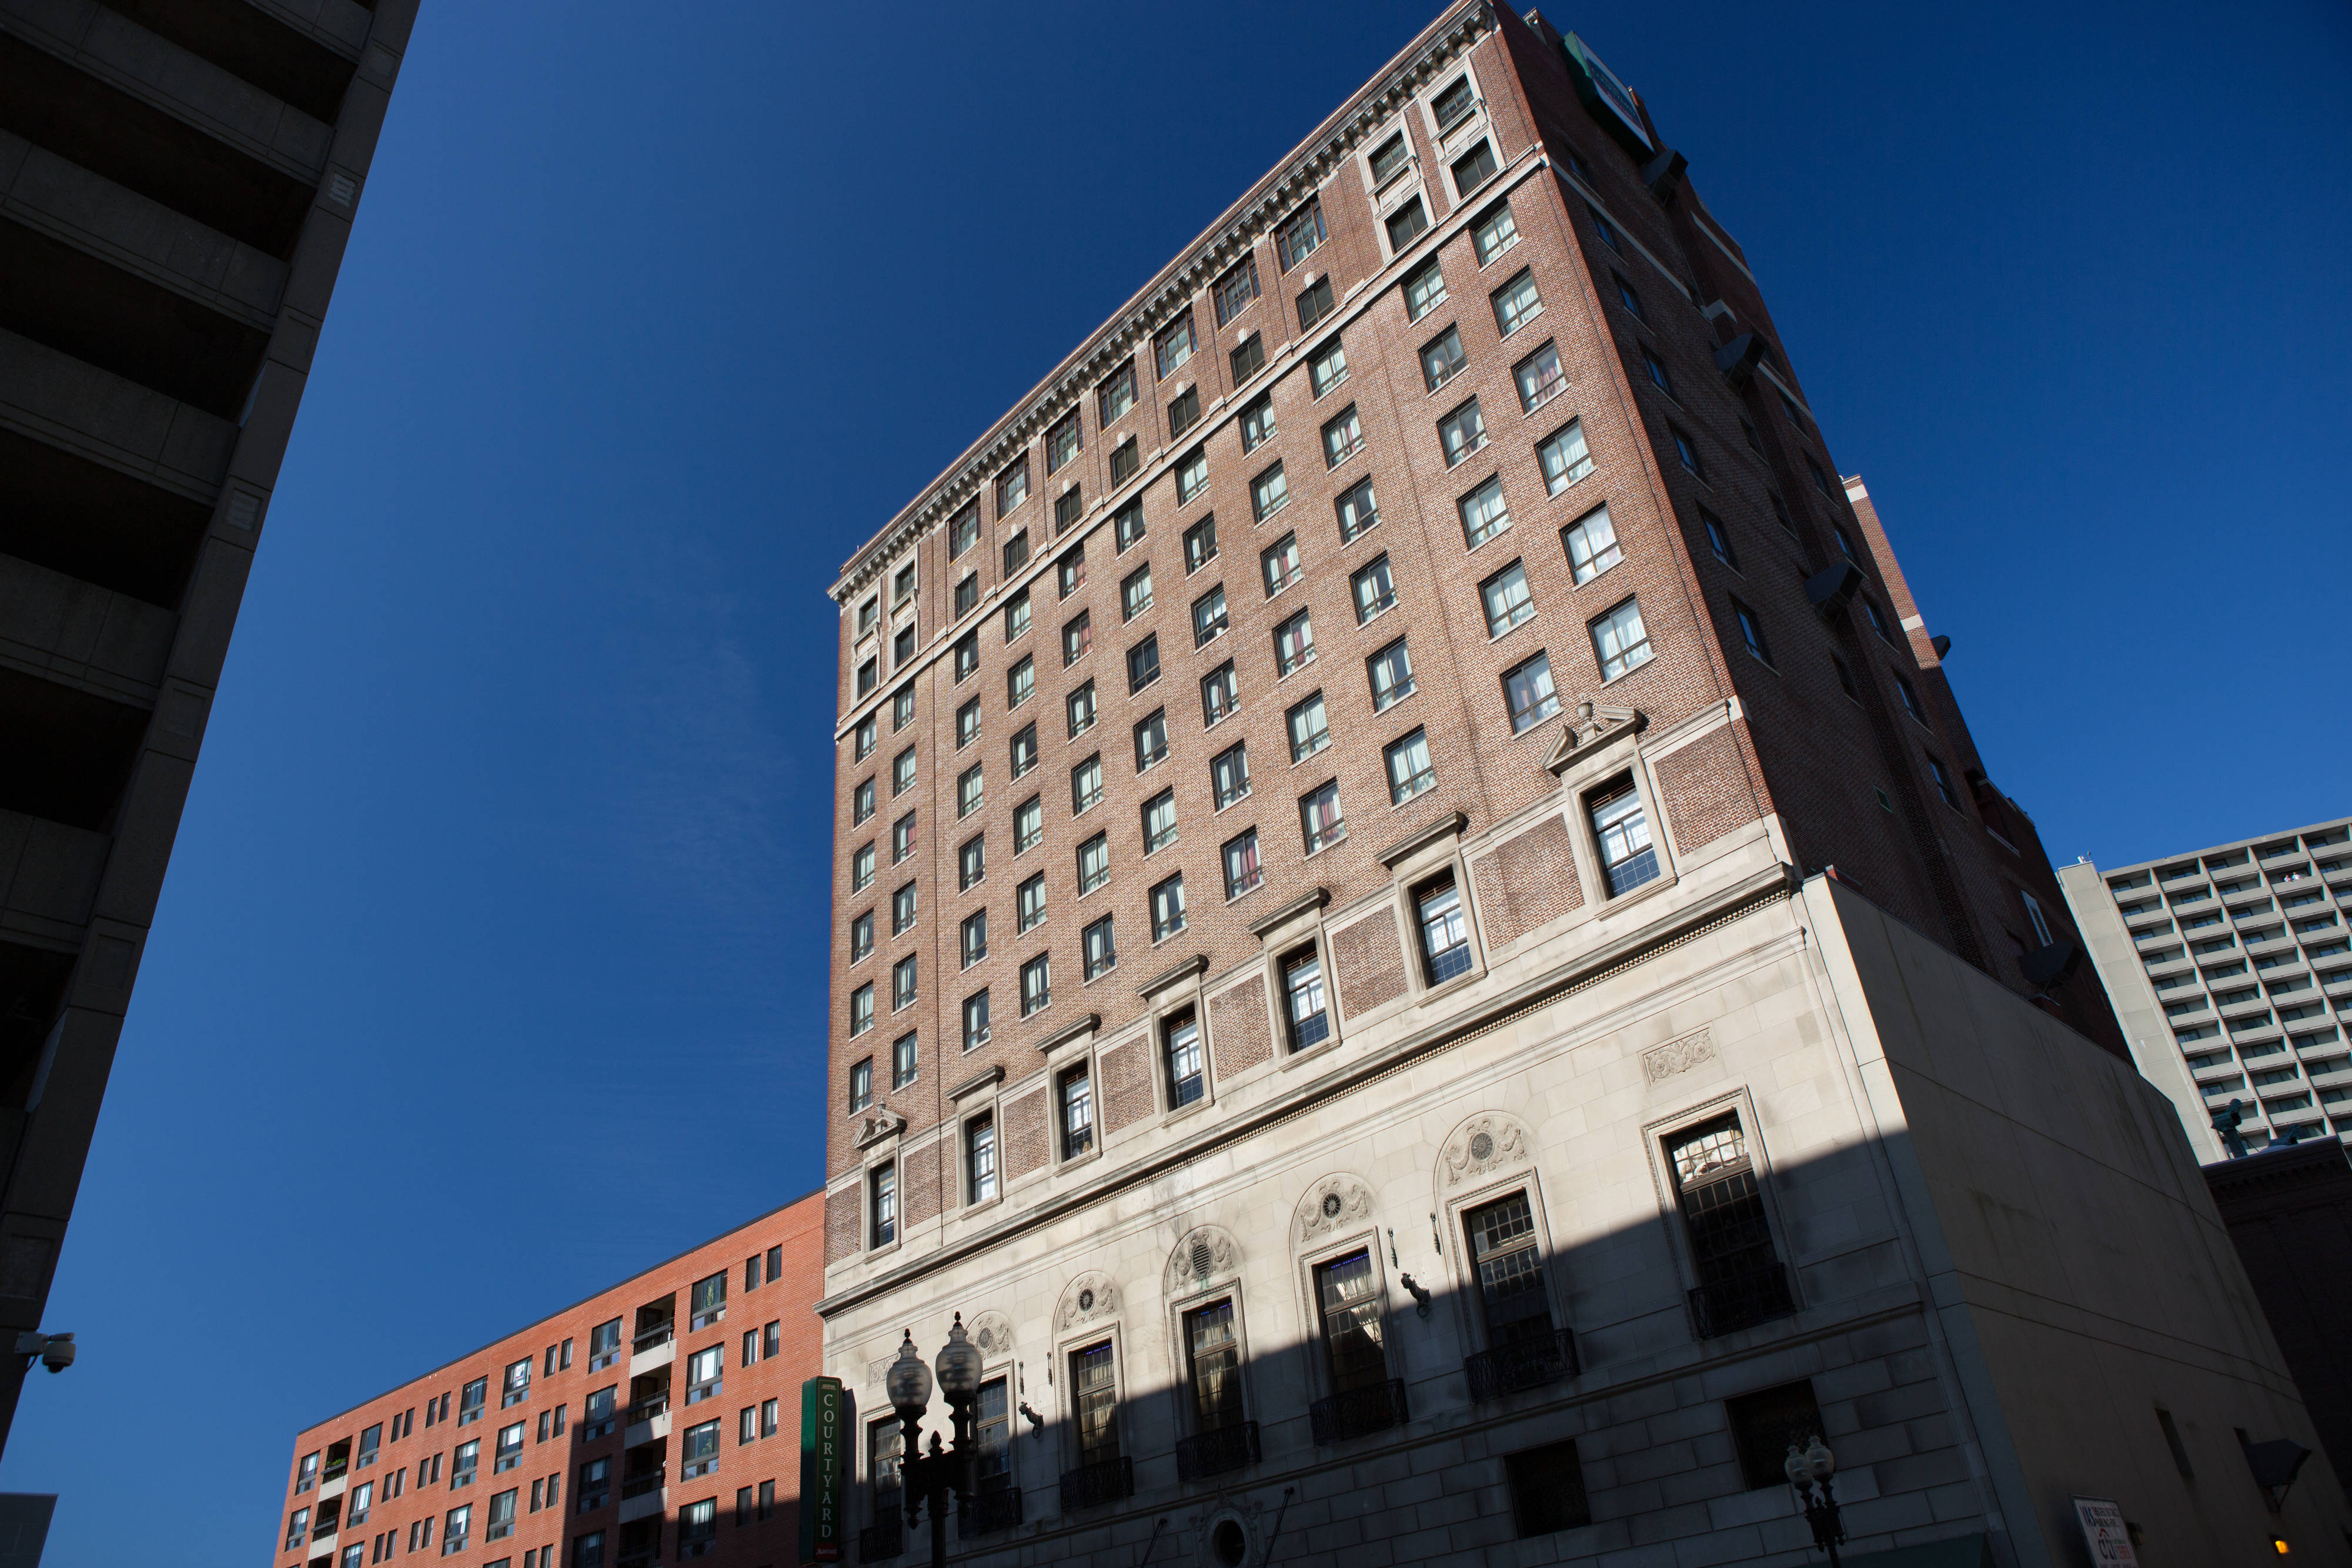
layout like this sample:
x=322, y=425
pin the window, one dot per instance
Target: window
x=902, y=983
x=1242, y=872
x=1036, y=984
x=1374, y=586
x=975, y=1016
x=969, y=790
x=508, y=1453
x=1313, y=303
x=1546, y=1487
x=1766, y=1424
x=902, y=587
x=1125, y=458
x=1151, y=740
x=1213, y=1367
x=1294, y=644
x=1172, y=347
x=1527, y=691
x=1229, y=774
x=1279, y=564
x=362, y=1500
x=472, y=1400
x=1601, y=227
x=1472, y=170
x=903, y=1060
x=2042, y=926
x=1029, y=902
x=1627, y=297
x=1780, y=514
x=902, y=772
x=1093, y=1398
x=1180, y=1044
x=1407, y=224
x=1269, y=493
x=1201, y=544
x=1440, y=359
x=1116, y=395
x=1390, y=672
x=1620, y=640
x=1452, y=106
x=603, y=1344
x=1320, y=821
x=967, y=594
x=992, y=1464
x=861, y=1085
x=1191, y=475
x=1160, y=822
x=1844, y=543
x=1877, y=621
x=861, y=936
x=1517, y=303
x=1740, y=1277
x=1821, y=480
x=1248, y=357
x=1258, y=423
x=979, y=1158
x=464, y=1462
x=1564, y=458
x=1343, y=438
x=457, y=1529
x=1410, y=770
x=1074, y=1094
x=1659, y=377
x=1068, y=508
x=1496, y=233
x=1910, y=695
x=1143, y=663
x=1028, y=824
x=1591, y=544
x=973, y=937
x=1717, y=539
x=1167, y=908
x=864, y=745
x=1357, y=511
x=1310, y=729
x=1012, y=485
x=1622, y=828
x=1507, y=599
x=1086, y=786
x=515, y=1386
x=1425, y=291
x=1094, y=863
x=1755, y=443
x=501, y=1521
x=1845, y=677
x=1686, y=452
x=967, y=722
x=1016, y=555
x=1080, y=706
x=747, y=1420
x=1462, y=433
x=902, y=910
x=1944, y=789
x=298, y=1527
x=1444, y=933
x=370, y=1442
x=1236, y=289
x=966, y=655
x=1300, y=234
x=1208, y=616
x=902, y=646
x=1348, y=1305
x=1185, y=413
x=1540, y=378
x=1330, y=367
x=1751, y=630
x=1020, y=684
x=1076, y=638
x=1062, y=440
x=1099, y=948
x=1484, y=512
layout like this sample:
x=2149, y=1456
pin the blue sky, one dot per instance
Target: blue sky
x=491, y=963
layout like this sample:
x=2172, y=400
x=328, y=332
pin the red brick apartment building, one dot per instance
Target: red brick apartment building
x=658, y=1420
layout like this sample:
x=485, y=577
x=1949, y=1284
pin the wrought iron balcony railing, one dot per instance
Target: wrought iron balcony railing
x=1213, y=1453
x=1091, y=1486
x=1359, y=1412
x=1533, y=1363
x=1742, y=1301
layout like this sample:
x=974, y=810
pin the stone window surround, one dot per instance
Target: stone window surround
x=1063, y=1049
x=1658, y=1130
x=1079, y=1337
x=1596, y=747
x=1414, y=861
x=1165, y=995
x=1306, y=1255
x=1298, y=924
x=1520, y=1176
x=1225, y=1287
x=975, y=1097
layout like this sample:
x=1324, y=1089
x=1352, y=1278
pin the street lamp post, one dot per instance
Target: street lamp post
x=932, y=1477
x=1808, y=1470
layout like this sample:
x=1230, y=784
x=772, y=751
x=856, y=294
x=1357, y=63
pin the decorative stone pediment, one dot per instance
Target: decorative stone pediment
x=1091, y=1298
x=880, y=1123
x=993, y=1332
x=1488, y=1142
x=1594, y=726
x=1337, y=1204
x=1204, y=1255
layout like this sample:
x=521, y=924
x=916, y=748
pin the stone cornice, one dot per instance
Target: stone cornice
x=1082, y=1030
x=985, y=1078
x=1234, y=235
x=1296, y=906
x=1447, y=826
x=1196, y=964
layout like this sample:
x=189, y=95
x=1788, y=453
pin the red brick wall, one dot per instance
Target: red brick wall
x=1370, y=962
x=1126, y=1095
x=1026, y=1135
x=1239, y=1036
x=1527, y=880
x=1705, y=788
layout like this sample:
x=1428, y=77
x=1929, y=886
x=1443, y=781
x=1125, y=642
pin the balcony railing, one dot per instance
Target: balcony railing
x=1742, y=1301
x=637, y=1486
x=1358, y=1413
x=1091, y=1486
x=1534, y=1363
x=1213, y=1453
x=335, y=1469
x=985, y=1513
x=643, y=1559
x=880, y=1542
x=697, y=1546
x=660, y=1333
x=651, y=1406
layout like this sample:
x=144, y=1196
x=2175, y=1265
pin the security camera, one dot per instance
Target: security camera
x=58, y=1353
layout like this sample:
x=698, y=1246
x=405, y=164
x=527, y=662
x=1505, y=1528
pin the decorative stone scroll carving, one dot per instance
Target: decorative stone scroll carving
x=1335, y=1204
x=1091, y=1298
x=1678, y=1056
x=1206, y=1254
x=1487, y=1142
x=993, y=1332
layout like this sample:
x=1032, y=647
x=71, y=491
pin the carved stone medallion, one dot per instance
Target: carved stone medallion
x=1336, y=1203
x=993, y=1332
x=1091, y=1298
x=1487, y=1142
x=1678, y=1056
x=1206, y=1253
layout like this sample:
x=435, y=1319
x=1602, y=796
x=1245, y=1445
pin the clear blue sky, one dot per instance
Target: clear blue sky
x=491, y=963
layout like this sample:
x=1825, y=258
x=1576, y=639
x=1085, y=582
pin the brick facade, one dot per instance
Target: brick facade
x=1527, y=880
x=1706, y=789
x=1239, y=1036
x=1370, y=961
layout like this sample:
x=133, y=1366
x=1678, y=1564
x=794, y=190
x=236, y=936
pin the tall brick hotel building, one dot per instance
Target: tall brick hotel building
x=1423, y=955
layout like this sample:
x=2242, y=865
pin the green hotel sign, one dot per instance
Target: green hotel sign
x=827, y=1412
x=1607, y=98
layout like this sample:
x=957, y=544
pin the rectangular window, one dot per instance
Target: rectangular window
x=1036, y=984
x=1751, y=630
x=1093, y=1398
x=1473, y=169
x=902, y=838
x=1591, y=544
x=1452, y=106
x=1462, y=433
x=975, y=1019
x=1024, y=749
x=1213, y=1367
x=1012, y=485
x=1821, y=480
x=464, y=1462
x=1659, y=377
x=1540, y=378
x=1390, y=672
x=979, y=1158
x=1167, y=908
x=1741, y=1279
x=1094, y=863
x=1074, y=1095
x=1236, y=289
x=1627, y=297
x=1347, y=1303
x=1028, y=824
x=1442, y=359
x=972, y=937
x=1343, y=438
x=1180, y=1039
x=1031, y=902
x=1208, y=616
x=1718, y=540
x=1406, y=224
x=1172, y=346
x=1686, y=453
x=969, y=790
x=1078, y=637
x=902, y=910
x=1411, y=773
x=902, y=646
x=1496, y=232
x=1086, y=786
x=1910, y=695
x=1444, y=932
x=1062, y=442
x=861, y=1085
x=1620, y=640
x=1269, y=493
x=1508, y=600
x=1527, y=690
x=1080, y=706
x=882, y=1184
x=1116, y=395
x=902, y=983
x=515, y=1386
x=1068, y=508
x=1185, y=413
x=1142, y=664
x=1278, y=563
x=1564, y=458
x=1425, y=291
x=1125, y=459
x=1622, y=828
x=603, y=1344
x=861, y=1008
x=508, y=1452
x=2041, y=925
x=1020, y=682
x=1258, y=424
x=473, y=1400
x=1151, y=740
x=1242, y=872
x=1484, y=513
x=1388, y=160
x=1310, y=729
x=1327, y=369
x=1321, y=823
x=864, y=747
x=967, y=594
x=1229, y=774
x=1314, y=302
x=1201, y=544
x=902, y=772
x=861, y=936
x=1300, y=235
x=1191, y=475
x=992, y=1464
x=1294, y=644
x=967, y=722
x=456, y=1531
x=1358, y=510
x=1160, y=822
x=1374, y=586
x=1517, y=303
x=1248, y=357
x=966, y=655
x=1016, y=555
x=904, y=1060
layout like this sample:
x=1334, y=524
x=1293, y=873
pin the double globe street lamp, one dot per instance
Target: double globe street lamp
x=931, y=1477
x=1808, y=1470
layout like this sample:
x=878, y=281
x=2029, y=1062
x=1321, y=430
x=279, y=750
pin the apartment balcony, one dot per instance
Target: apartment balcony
x=1536, y=1362
x=649, y=1420
x=333, y=1487
x=1741, y=1301
x=1214, y=1453
x=653, y=1352
x=1359, y=1413
x=880, y=1542
x=986, y=1512
x=1091, y=1486
x=643, y=1497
